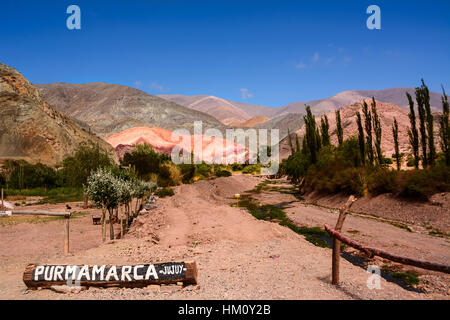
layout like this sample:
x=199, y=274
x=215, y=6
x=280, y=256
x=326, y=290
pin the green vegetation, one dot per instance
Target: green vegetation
x=223, y=173
x=164, y=192
x=357, y=166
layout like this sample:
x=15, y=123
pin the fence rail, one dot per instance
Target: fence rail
x=381, y=253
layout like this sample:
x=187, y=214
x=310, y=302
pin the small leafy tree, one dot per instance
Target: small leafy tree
x=362, y=145
x=106, y=190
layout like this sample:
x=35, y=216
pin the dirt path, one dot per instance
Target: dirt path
x=238, y=256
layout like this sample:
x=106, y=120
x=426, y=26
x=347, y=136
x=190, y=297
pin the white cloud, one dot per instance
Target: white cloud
x=138, y=84
x=156, y=86
x=245, y=94
x=301, y=65
x=315, y=57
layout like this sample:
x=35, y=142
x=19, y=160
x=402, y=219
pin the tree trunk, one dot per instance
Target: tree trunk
x=121, y=223
x=103, y=224
x=111, y=224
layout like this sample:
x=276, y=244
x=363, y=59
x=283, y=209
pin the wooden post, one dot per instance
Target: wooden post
x=85, y=203
x=336, y=243
x=66, y=234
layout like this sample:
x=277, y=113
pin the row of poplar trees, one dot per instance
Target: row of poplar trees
x=369, y=132
x=422, y=138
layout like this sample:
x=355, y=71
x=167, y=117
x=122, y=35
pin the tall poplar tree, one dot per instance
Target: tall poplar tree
x=396, y=147
x=377, y=130
x=412, y=132
x=444, y=129
x=311, y=135
x=362, y=144
x=430, y=124
x=324, y=129
x=422, y=127
x=368, y=126
x=340, y=131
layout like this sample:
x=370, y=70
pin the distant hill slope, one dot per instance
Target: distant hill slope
x=111, y=108
x=394, y=95
x=291, y=121
x=223, y=110
x=33, y=130
x=250, y=122
x=234, y=112
x=386, y=111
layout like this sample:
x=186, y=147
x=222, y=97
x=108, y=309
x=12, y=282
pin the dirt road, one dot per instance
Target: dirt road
x=238, y=256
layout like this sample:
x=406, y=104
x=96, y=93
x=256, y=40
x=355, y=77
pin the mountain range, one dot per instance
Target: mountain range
x=31, y=129
x=230, y=112
x=111, y=108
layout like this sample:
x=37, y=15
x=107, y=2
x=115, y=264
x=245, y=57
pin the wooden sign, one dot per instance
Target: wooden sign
x=45, y=276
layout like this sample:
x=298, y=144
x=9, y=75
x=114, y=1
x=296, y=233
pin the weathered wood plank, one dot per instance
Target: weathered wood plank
x=381, y=253
x=45, y=276
x=41, y=213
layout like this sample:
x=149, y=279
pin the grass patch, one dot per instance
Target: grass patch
x=408, y=277
x=14, y=220
x=315, y=235
x=165, y=192
x=51, y=196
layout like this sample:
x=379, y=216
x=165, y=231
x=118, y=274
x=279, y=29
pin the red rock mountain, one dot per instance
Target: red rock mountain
x=213, y=149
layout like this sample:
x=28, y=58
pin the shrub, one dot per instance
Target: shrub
x=421, y=184
x=144, y=159
x=410, y=162
x=382, y=180
x=387, y=161
x=223, y=173
x=237, y=166
x=169, y=175
x=253, y=168
x=203, y=170
x=164, y=192
x=26, y=175
x=77, y=168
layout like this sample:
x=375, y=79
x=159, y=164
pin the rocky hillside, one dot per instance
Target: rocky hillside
x=30, y=128
x=111, y=108
x=386, y=111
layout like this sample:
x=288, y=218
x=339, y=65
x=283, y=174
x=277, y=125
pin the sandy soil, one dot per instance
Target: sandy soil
x=238, y=256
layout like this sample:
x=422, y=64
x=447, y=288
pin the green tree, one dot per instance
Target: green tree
x=412, y=132
x=297, y=143
x=377, y=130
x=422, y=126
x=396, y=147
x=339, y=130
x=368, y=126
x=290, y=142
x=429, y=124
x=87, y=158
x=324, y=129
x=144, y=160
x=361, y=138
x=311, y=134
x=444, y=129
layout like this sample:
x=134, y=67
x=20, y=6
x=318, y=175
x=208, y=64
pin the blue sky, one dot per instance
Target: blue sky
x=262, y=52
